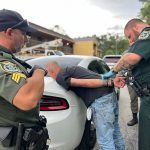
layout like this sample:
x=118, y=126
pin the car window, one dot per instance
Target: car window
x=98, y=66
x=50, y=53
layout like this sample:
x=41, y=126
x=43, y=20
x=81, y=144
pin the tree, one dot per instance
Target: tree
x=145, y=12
x=111, y=44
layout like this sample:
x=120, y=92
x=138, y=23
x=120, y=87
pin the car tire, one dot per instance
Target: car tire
x=89, y=137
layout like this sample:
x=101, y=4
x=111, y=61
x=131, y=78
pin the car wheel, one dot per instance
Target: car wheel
x=89, y=137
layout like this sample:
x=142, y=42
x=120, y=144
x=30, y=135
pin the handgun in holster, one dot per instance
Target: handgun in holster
x=146, y=89
x=36, y=140
x=136, y=86
x=130, y=80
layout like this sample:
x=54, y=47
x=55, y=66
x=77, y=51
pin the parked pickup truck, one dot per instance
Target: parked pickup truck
x=111, y=60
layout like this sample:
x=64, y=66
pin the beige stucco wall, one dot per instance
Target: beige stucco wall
x=84, y=48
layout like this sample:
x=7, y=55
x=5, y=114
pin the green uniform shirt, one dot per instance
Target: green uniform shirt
x=12, y=77
x=141, y=70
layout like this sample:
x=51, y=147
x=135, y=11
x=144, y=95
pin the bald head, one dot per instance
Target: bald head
x=132, y=23
x=133, y=29
x=53, y=69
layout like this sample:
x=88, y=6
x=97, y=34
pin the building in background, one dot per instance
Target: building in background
x=86, y=46
x=79, y=46
x=45, y=35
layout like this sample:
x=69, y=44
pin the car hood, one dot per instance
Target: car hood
x=51, y=88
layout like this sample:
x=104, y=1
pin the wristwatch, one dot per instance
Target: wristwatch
x=38, y=67
x=43, y=70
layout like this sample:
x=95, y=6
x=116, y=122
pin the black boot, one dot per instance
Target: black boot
x=133, y=121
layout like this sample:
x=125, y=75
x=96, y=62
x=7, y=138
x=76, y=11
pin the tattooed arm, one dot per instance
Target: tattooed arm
x=127, y=61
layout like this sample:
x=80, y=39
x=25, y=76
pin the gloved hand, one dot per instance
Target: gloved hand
x=110, y=74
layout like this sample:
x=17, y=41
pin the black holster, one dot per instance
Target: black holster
x=19, y=136
x=8, y=136
x=36, y=140
x=146, y=89
x=135, y=85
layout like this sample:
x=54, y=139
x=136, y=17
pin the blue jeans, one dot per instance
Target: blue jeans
x=105, y=116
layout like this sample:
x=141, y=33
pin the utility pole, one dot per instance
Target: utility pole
x=116, y=45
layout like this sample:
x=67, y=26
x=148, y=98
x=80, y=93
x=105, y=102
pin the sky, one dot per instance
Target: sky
x=78, y=18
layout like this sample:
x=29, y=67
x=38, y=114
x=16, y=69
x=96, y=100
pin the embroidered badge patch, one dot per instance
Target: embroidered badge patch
x=144, y=35
x=17, y=76
x=9, y=67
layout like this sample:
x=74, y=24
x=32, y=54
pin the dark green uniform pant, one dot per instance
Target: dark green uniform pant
x=134, y=99
x=144, y=124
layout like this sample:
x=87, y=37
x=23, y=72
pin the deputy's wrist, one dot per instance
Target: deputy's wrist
x=40, y=68
x=114, y=71
x=44, y=70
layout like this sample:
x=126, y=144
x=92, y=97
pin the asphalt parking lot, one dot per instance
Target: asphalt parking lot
x=130, y=133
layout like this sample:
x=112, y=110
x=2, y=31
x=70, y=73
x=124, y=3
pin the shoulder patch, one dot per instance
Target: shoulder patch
x=17, y=77
x=144, y=35
x=9, y=67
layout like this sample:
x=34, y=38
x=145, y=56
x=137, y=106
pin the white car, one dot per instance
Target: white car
x=53, y=52
x=65, y=112
x=111, y=60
